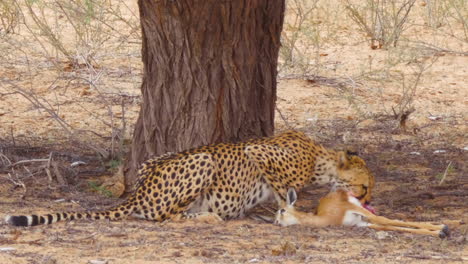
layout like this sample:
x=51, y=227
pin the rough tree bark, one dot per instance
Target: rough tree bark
x=210, y=71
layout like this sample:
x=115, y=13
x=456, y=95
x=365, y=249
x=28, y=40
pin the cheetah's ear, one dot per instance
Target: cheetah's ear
x=343, y=160
x=292, y=197
x=351, y=152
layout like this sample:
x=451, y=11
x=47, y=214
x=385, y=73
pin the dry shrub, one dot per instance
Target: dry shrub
x=76, y=37
x=382, y=21
x=403, y=68
x=448, y=17
x=308, y=26
x=78, y=30
x=9, y=16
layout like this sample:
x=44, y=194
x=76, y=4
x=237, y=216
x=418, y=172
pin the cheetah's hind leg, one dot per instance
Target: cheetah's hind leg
x=178, y=191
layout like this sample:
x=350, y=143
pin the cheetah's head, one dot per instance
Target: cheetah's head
x=353, y=175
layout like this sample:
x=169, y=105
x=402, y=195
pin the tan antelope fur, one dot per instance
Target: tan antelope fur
x=342, y=208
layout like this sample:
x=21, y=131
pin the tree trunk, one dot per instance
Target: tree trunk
x=210, y=71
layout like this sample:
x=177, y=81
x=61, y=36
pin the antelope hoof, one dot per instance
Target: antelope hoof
x=445, y=232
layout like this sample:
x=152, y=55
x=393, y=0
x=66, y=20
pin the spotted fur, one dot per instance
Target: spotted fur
x=225, y=180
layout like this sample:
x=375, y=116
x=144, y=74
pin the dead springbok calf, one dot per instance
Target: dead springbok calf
x=342, y=208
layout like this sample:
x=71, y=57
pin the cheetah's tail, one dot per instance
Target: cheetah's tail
x=116, y=213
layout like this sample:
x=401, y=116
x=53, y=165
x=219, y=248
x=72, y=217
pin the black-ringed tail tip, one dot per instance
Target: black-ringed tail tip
x=47, y=219
x=33, y=220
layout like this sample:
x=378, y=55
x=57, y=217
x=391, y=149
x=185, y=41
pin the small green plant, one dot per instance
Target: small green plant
x=99, y=189
x=114, y=164
x=392, y=167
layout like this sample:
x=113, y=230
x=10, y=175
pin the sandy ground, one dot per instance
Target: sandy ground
x=408, y=169
x=245, y=240
x=421, y=172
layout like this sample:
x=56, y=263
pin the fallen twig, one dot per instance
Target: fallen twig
x=463, y=258
x=4, y=159
x=445, y=173
x=28, y=161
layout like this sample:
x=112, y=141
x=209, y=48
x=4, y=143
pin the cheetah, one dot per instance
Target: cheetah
x=226, y=180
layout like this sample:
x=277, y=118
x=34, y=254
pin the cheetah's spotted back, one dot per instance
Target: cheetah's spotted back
x=222, y=180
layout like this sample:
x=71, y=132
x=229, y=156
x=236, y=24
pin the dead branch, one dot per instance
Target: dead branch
x=17, y=182
x=283, y=118
x=4, y=159
x=403, y=117
x=37, y=102
x=58, y=175
x=47, y=168
x=437, y=49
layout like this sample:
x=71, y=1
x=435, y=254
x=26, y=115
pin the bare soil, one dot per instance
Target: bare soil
x=421, y=171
